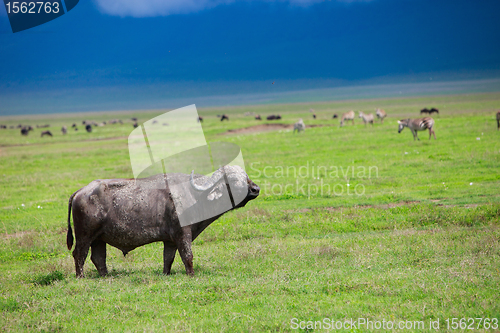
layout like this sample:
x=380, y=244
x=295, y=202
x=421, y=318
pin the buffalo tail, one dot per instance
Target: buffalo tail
x=69, y=236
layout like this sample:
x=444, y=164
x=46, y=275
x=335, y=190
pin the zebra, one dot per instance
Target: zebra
x=367, y=118
x=415, y=125
x=380, y=114
x=498, y=120
x=299, y=126
x=347, y=116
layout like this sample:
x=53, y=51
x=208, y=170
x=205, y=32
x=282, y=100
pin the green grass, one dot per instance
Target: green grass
x=420, y=242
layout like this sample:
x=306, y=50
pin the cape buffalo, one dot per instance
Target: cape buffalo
x=274, y=117
x=224, y=117
x=88, y=127
x=128, y=213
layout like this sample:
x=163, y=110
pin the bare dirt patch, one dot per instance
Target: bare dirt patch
x=265, y=128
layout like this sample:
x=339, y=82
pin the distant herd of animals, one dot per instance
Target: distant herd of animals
x=420, y=124
x=88, y=125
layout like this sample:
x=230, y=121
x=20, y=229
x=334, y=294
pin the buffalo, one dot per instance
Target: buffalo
x=424, y=110
x=257, y=117
x=224, y=117
x=129, y=213
x=200, y=119
x=88, y=128
x=433, y=110
x=46, y=133
x=274, y=117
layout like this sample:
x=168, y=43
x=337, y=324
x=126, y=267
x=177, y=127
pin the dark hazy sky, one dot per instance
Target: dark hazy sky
x=134, y=42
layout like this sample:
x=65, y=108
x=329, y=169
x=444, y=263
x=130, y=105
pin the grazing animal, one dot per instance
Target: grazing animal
x=3, y=126
x=133, y=119
x=415, y=125
x=335, y=116
x=314, y=115
x=367, y=118
x=433, y=110
x=299, y=126
x=200, y=119
x=46, y=133
x=88, y=127
x=273, y=117
x=64, y=130
x=224, y=117
x=425, y=110
x=24, y=131
x=136, y=125
x=74, y=125
x=257, y=117
x=498, y=120
x=380, y=114
x=347, y=116
x=129, y=213
x=42, y=126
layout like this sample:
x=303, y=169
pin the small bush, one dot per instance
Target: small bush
x=47, y=279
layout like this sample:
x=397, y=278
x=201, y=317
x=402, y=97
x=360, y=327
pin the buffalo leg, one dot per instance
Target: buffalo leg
x=184, y=247
x=98, y=256
x=80, y=254
x=168, y=258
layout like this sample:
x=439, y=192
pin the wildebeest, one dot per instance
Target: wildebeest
x=424, y=110
x=314, y=115
x=74, y=125
x=88, y=127
x=129, y=213
x=133, y=119
x=200, y=119
x=26, y=129
x=498, y=120
x=433, y=110
x=347, y=116
x=380, y=114
x=224, y=117
x=274, y=117
x=64, y=130
x=417, y=125
x=335, y=116
x=136, y=125
x=299, y=126
x=257, y=117
x=367, y=118
x=46, y=133
x=3, y=126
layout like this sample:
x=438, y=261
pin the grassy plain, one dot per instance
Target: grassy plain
x=420, y=243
